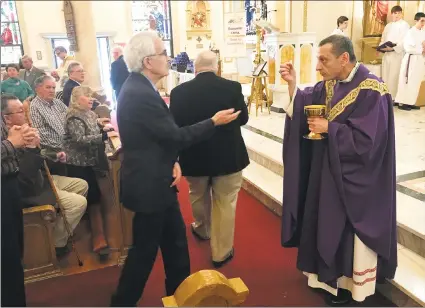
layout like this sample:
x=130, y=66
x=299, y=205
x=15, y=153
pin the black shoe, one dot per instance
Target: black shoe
x=405, y=107
x=343, y=298
x=61, y=251
x=197, y=235
x=415, y=107
x=396, y=104
x=221, y=263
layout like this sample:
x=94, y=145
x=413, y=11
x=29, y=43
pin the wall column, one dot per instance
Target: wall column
x=87, y=43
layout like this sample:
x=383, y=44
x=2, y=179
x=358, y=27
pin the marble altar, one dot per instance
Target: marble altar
x=301, y=50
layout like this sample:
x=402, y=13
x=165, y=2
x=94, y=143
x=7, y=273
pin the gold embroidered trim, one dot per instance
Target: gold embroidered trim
x=329, y=86
x=368, y=84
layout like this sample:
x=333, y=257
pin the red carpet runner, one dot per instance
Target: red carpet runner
x=267, y=269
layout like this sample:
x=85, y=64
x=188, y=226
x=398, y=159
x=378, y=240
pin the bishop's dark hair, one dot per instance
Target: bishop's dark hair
x=396, y=8
x=340, y=44
x=419, y=15
x=341, y=20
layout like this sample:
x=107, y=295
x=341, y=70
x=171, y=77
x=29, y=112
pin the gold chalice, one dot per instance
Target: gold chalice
x=314, y=111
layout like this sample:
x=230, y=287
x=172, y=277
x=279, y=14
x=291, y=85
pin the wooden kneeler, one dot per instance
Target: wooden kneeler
x=208, y=288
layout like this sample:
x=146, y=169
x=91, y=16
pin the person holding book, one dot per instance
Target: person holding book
x=393, y=35
x=413, y=65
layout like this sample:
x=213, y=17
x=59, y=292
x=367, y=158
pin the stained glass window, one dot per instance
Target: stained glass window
x=10, y=41
x=255, y=10
x=156, y=16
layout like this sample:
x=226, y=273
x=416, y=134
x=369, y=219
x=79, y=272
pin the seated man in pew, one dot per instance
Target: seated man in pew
x=33, y=181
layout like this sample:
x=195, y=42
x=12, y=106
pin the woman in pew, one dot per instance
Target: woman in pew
x=84, y=145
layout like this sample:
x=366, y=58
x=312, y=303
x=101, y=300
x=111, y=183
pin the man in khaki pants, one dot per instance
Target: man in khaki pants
x=213, y=167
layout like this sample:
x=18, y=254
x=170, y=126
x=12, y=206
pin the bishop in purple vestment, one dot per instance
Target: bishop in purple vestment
x=339, y=203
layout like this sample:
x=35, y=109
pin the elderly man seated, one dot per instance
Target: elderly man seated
x=34, y=183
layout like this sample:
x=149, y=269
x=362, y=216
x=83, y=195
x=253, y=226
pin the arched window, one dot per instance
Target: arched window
x=154, y=15
x=11, y=42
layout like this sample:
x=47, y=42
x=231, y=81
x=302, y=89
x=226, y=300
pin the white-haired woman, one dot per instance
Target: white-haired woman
x=83, y=141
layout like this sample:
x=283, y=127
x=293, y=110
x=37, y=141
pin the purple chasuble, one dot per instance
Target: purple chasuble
x=344, y=185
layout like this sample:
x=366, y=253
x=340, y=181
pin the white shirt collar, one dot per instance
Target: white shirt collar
x=351, y=76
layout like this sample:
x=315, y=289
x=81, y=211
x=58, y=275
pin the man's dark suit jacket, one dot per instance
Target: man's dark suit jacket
x=33, y=182
x=119, y=74
x=67, y=91
x=150, y=142
x=199, y=99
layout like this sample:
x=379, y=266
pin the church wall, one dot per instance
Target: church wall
x=42, y=20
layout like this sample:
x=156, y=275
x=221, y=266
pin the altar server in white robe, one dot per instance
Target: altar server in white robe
x=412, y=71
x=342, y=24
x=394, y=32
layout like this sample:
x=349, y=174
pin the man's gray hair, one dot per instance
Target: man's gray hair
x=118, y=48
x=72, y=65
x=206, y=61
x=26, y=57
x=340, y=44
x=40, y=80
x=140, y=46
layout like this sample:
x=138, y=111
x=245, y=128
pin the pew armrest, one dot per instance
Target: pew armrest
x=47, y=212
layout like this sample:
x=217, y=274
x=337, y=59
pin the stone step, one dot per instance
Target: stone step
x=264, y=185
x=263, y=150
x=407, y=289
x=411, y=223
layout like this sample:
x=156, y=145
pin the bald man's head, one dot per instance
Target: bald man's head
x=206, y=62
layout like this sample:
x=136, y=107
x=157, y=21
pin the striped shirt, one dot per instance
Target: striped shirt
x=49, y=119
x=9, y=158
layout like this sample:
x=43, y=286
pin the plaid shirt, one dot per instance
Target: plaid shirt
x=49, y=119
x=9, y=158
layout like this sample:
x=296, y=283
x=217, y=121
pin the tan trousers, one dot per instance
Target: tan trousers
x=214, y=206
x=71, y=192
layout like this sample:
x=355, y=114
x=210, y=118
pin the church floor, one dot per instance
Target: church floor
x=267, y=269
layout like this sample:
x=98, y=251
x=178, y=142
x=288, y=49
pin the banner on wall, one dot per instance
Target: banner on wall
x=234, y=35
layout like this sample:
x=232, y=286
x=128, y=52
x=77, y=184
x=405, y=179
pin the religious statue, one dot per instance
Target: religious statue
x=375, y=17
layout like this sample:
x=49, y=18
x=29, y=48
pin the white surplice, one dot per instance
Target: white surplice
x=338, y=31
x=391, y=61
x=408, y=87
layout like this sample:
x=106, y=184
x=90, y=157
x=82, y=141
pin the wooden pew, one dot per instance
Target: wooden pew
x=208, y=288
x=126, y=216
x=39, y=247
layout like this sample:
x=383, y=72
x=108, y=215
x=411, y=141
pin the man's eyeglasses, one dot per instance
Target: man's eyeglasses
x=164, y=53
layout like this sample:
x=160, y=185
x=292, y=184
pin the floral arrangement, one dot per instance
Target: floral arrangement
x=182, y=61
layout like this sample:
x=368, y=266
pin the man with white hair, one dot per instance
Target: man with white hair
x=213, y=167
x=30, y=73
x=119, y=71
x=150, y=170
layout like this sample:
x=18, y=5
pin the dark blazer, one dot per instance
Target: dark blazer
x=150, y=142
x=67, y=91
x=119, y=74
x=34, y=74
x=199, y=99
x=33, y=182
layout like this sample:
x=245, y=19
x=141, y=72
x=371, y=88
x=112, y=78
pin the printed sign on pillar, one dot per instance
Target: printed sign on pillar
x=234, y=35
